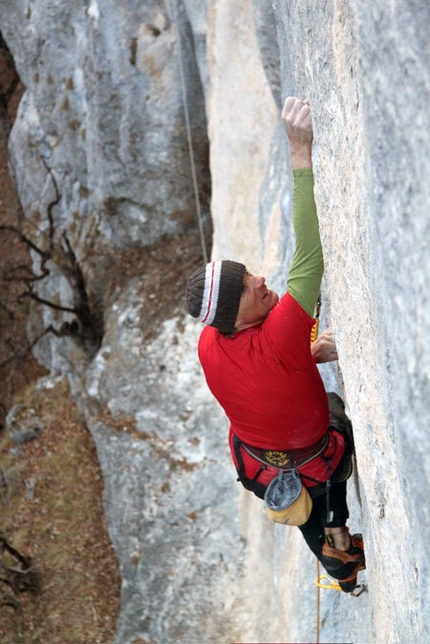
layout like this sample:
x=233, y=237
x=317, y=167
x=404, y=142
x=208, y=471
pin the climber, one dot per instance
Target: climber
x=259, y=364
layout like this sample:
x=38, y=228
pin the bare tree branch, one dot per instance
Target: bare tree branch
x=20, y=577
x=12, y=229
x=51, y=204
x=52, y=305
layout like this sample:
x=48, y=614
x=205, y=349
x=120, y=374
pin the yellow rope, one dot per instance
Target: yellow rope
x=328, y=586
x=358, y=590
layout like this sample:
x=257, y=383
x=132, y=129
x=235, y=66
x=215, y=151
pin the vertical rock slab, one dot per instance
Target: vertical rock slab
x=365, y=69
x=100, y=154
x=169, y=486
x=242, y=116
x=99, y=148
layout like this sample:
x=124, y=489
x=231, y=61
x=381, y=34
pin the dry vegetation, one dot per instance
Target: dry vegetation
x=50, y=488
x=52, y=512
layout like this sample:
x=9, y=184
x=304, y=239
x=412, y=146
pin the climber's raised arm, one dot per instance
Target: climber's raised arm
x=304, y=278
x=296, y=115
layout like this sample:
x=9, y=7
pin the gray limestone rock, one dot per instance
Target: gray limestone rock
x=100, y=155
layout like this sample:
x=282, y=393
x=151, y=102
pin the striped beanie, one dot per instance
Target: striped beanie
x=213, y=294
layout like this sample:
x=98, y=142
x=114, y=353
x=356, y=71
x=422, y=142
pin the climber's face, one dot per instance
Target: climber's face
x=256, y=302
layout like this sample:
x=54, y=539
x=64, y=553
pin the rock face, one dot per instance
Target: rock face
x=101, y=160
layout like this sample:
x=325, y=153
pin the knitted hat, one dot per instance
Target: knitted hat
x=213, y=294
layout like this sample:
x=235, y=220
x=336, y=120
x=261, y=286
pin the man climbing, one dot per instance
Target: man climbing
x=259, y=364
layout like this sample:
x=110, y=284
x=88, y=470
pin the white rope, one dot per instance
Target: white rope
x=188, y=130
x=317, y=640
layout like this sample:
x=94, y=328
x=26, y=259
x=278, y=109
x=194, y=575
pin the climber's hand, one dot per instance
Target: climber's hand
x=324, y=347
x=296, y=116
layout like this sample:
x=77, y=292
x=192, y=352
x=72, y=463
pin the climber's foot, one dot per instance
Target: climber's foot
x=344, y=565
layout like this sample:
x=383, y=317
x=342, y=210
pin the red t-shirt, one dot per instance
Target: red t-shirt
x=268, y=384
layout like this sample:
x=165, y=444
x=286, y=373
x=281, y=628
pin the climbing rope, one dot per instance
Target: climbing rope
x=331, y=584
x=328, y=586
x=174, y=15
x=318, y=605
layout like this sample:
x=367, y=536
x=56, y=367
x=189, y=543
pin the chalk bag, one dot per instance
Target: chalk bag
x=287, y=500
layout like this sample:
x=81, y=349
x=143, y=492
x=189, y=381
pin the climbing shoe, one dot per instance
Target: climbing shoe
x=344, y=565
x=349, y=584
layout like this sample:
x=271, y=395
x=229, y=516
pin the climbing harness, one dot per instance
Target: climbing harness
x=273, y=461
x=188, y=131
x=287, y=460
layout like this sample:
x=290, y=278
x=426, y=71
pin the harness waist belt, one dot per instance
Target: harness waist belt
x=290, y=459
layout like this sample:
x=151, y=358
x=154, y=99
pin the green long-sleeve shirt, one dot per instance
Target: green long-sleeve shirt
x=307, y=266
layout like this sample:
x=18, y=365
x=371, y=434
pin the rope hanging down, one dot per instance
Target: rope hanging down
x=188, y=130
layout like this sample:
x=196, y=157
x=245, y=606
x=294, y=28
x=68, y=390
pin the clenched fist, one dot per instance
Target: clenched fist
x=296, y=115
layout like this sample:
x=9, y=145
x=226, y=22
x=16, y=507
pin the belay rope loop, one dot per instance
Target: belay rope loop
x=174, y=15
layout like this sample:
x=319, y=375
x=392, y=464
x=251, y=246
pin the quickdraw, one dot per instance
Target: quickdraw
x=315, y=327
